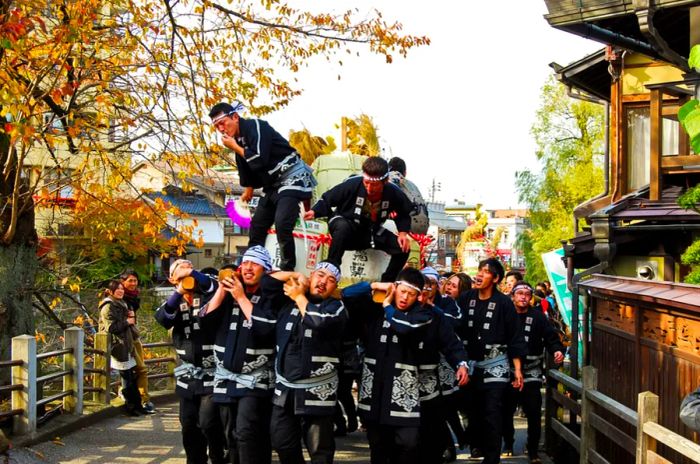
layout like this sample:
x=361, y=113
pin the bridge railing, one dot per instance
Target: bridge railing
x=586, y=421
x=83, y=370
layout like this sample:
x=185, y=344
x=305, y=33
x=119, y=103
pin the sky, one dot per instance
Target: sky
x=458, y=111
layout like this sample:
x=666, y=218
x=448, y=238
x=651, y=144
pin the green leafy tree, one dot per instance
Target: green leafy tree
x=569, y=136
x=689, y=116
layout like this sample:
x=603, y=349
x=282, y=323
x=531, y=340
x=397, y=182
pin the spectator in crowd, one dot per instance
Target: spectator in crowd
x=130, y=281
x=511, y=278
x=690, y=410
x=119, y=322
x=456, y=284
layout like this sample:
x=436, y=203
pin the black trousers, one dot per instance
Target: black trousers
x=531, y=400
x=201, y=429
x=287, y=431
x=346, y=403
x=456, y=405
x=433, y=431
x=246, y=423
x=132, y=397
x=282, y=211
x=485, y=416
x=392, y=444
x=348, y=235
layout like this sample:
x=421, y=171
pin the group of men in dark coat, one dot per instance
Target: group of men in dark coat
x=261, y=354
x=261, y=351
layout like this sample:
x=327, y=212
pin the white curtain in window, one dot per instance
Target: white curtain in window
x=670, y=137
x=638, y=147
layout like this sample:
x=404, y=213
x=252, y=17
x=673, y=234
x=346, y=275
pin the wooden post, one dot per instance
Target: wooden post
x=656, y=141
x=550, y=408
x=590, y=382
x=170, y=385
x=647, y=411
x=102, y=362
x=75, y=361
x=24, y=349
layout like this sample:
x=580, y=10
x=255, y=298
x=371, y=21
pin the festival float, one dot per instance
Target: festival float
x=312, y=239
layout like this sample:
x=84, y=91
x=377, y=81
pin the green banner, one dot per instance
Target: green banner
x=556, y=272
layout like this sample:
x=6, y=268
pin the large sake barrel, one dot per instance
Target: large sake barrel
x=312, y=242
x=331, y=170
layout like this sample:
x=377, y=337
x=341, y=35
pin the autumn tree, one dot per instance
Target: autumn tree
x=86, y=85
x=569, y=136
x=362, y=135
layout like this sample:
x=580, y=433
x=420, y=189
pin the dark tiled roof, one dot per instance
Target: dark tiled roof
x=189, y=203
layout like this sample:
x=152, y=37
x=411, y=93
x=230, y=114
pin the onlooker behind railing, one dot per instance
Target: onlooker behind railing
x=130, y=281
x=117, y=320
x=690, y=410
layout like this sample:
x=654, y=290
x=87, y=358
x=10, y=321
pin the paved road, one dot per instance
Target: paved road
x=156, y=440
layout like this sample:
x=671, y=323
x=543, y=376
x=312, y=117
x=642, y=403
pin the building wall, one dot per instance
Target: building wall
x=640, y=70
x=640, y=347
x=211, y=229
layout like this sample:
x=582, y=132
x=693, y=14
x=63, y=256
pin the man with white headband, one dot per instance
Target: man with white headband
x=441, y=377
x=266, y=160
x=309, y=329
x=396, y=334
x=357, y=209
x=494, y=341
x=199, y=416
x=242, y=315
x=540, y=335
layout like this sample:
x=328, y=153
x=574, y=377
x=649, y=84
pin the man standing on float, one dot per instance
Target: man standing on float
x=266, y=160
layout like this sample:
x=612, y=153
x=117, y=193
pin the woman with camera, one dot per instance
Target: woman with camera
x=117, y=320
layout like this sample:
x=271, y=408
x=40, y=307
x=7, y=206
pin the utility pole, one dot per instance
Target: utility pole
x=434, y=188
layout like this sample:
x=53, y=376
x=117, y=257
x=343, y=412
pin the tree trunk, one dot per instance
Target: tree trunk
x=18, y=265
x=18, y=260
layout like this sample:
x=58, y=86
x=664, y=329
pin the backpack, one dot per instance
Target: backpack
x=420, y=221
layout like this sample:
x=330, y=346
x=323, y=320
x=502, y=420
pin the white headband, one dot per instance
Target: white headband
x=375, y=179
x=236, y=107
x=522, y=287
x=409, y=285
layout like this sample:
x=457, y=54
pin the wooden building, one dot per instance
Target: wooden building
x=644, y=331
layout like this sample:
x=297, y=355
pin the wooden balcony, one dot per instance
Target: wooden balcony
x=682, y=163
